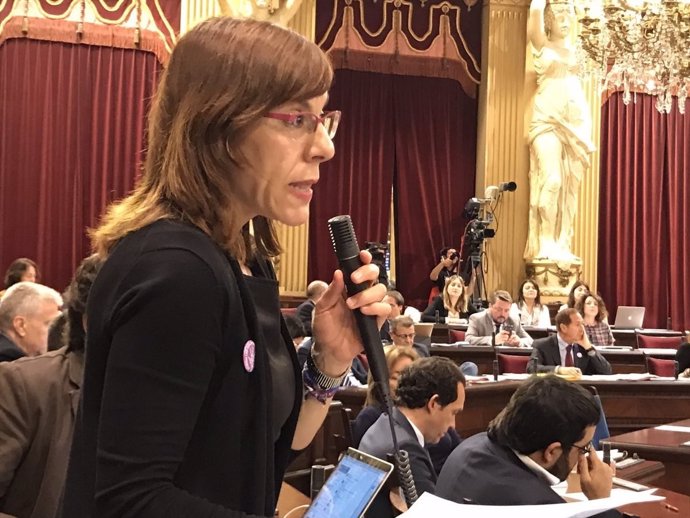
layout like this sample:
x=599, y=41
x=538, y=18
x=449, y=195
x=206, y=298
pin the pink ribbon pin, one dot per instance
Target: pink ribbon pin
x=248, y=355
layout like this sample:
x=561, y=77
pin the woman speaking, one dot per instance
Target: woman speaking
x=192, y=398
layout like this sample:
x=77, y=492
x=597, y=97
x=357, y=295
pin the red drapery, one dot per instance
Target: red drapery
x=643, y=231
x=418, y=134
x=72, y=121
x=358, y=180
x=436, y=143
x=678, y=192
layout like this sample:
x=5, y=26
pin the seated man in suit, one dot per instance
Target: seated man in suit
x=430, y=393
x=496, y=321
x=535, y=441
x=402, y=334
x=569, y=351
x=306, y=308
x=396, y=301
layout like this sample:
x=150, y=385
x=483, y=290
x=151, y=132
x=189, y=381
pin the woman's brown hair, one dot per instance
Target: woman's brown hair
x=460, y=305
x=601, y=315
x=392, y=353
x=223, y=76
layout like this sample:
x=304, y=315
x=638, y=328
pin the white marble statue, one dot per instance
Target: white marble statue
x=559, y=133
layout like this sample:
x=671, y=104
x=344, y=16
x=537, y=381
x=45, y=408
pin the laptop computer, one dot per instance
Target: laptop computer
x=629, y=317
x=352, y=486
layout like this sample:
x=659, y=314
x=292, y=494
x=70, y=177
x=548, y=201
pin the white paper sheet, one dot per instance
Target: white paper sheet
x=673, y=428
x=430, y=505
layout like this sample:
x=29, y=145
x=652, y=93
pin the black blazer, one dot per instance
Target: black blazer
x=9, y=350
x=548, y=356
x=429, y=314
x=175, y=417
x=377, y=441
x=488, y=473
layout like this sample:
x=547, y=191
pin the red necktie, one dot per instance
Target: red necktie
x=569, y=356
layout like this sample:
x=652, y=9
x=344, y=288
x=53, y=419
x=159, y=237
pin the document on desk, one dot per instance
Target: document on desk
x=673, y=428
x=430, y=505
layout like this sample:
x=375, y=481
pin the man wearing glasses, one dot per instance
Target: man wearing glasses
x=534, y=443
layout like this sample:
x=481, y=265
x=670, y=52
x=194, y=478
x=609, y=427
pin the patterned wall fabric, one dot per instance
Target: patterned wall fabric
x=432, y=38
x=94, y=22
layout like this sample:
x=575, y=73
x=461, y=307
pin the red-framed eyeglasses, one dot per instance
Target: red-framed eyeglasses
x=309, y=121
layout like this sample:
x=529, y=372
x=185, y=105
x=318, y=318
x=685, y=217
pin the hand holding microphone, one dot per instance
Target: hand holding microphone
x=336, y=335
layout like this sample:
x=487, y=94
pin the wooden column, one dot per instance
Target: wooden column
x=502, y=153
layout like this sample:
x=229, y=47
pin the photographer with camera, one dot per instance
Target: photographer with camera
x=447, y=267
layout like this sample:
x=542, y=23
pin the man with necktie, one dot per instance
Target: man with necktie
x=569, y=351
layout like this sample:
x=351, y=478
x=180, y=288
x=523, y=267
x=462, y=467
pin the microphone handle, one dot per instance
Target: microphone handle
x=367, y=327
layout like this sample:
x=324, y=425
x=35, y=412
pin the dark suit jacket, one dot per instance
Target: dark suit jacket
x=304, y=312
x=39, y=401
x=490, y=474
x=9, y=351
x=377, y=441
x=487, y=473
x=548, y=356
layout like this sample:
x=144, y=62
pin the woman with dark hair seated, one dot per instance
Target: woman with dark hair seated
x=579, y=290
x=528, y=309
x=21, y=270
x=451, y=304
x=593, y=311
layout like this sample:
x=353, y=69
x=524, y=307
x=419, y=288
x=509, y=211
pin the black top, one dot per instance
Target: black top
x=266, y=299
x=683, y=356
x=9, y=351
x=176, y=416
x=444, y=274
x=429, y=314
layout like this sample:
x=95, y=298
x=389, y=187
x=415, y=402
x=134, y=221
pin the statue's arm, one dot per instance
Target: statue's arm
x=535, y=24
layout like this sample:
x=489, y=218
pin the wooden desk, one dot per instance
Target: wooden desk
x=289, y=499
x=665, y=447
x=626, y=337
x=628, y=405
x=622, y=362
x=680, y=502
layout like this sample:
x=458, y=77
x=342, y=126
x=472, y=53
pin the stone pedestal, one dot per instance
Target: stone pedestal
x=555, y=279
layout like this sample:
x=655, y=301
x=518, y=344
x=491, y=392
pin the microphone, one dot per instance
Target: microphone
x=507, y=186
x=347, y=252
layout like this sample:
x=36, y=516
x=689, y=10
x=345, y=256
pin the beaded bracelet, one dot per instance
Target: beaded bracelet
x=318, y=385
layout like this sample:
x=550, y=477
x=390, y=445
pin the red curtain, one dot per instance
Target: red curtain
x=72, y=121
x=643, y=231
x=358, y=180
x=678, y=192
x=435, y=142
x=417, y=134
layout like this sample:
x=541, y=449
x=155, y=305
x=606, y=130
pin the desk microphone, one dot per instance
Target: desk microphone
x=347, y=252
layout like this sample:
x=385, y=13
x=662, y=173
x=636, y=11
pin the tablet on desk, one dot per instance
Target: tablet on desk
x=352, y=486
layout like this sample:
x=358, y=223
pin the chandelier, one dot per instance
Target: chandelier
x=638, y=46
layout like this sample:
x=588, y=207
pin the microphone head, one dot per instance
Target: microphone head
x=507, y=186
x=343, y=237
